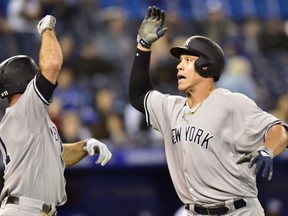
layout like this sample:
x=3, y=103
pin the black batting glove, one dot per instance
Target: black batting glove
x=263, y=158
x=151, y=28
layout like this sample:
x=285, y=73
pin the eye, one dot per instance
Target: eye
x=187, y=59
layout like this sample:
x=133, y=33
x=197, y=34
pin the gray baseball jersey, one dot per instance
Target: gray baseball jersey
x=31, y=149
x=202, y=148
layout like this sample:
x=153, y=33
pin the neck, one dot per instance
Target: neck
x=198, y=95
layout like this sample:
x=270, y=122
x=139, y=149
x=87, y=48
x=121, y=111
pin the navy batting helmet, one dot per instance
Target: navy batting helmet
x=211, y=57
x=15, y=74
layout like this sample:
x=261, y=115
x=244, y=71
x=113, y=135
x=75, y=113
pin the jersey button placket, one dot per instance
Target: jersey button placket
x=184, y=160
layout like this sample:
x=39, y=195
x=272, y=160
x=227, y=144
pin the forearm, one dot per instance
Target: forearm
x=276, y=139
x=140, y=81
x=50, y=55
x=73, y=153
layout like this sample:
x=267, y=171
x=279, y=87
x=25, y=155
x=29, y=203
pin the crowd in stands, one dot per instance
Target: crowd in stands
x=98, y=45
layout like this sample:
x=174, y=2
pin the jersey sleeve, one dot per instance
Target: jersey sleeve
x=250, y=123
x=31, y=108
x=154, y=102
x=161, y=108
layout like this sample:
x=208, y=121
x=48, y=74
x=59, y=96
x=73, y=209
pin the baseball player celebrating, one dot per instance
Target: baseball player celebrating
x=33, y=154
x=210, y=134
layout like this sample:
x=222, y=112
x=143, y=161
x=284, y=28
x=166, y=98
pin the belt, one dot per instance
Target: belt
x=44, y=207
x=218, y=209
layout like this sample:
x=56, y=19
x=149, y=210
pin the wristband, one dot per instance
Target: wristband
x=144, y=43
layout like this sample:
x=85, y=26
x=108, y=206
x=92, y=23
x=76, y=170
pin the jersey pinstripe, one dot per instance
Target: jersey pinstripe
x=31, y=149
x=202, y=148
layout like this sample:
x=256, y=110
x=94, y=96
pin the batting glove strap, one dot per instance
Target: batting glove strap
x=265, y=151
x=48, y=22
x=143, y=42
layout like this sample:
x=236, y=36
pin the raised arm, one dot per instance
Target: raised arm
x=50, y=55
x=150, y=31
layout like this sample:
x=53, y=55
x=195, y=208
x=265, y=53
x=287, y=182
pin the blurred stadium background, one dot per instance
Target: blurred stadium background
x=98, y=39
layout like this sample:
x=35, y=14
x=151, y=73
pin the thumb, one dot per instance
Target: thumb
x=90, y=151
x=243, y=159
x=161, y=32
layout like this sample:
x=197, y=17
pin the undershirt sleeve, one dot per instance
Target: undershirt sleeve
x=44, y=88
x=140, y=81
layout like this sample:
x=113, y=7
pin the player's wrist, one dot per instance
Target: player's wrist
x=143, y=42
x=84, y=145
x=144, y=49
x=266, y=150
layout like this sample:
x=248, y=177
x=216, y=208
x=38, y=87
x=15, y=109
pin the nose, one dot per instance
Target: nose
x=179, y=66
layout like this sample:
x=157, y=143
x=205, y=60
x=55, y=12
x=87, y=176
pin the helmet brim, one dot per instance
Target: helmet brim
x=182, y=50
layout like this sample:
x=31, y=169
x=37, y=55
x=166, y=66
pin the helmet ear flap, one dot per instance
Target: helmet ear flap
x=203, y=65
x=205, y=68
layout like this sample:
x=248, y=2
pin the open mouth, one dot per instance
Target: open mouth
x=180, y=77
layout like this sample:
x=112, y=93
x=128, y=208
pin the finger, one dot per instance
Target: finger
x=253, y=160
x=162, y=17
x=270, y=175
x=266, y=167
x=153, y=12
x=243, y=159
x=270, y=171
x=90, y=151
x=157, y=13
x=148, y=14
x=100, y=158
x=107, y=158
x=260, y=164
x=101, y=154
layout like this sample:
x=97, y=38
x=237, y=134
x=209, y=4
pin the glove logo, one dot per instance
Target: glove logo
x=264, y=153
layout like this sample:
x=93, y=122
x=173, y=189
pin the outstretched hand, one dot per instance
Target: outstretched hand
x=93, y=146
x=263, y=158
x=151, y=28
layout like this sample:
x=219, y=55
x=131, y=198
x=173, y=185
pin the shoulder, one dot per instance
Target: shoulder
x=167, y=98
x=233, y=97
x=240, y=105
x=232, y=101
x=165, y=102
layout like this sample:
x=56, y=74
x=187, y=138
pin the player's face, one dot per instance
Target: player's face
x=187, y=76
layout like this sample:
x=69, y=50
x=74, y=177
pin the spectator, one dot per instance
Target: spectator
x=238, y=77
x=22, y=16
x=72, y=128
x=281, y=108
x=73, y=96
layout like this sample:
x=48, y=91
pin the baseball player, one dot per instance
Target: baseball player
x=33, y=154
x=216, y=141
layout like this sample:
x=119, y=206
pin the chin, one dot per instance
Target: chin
x=181, y=89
